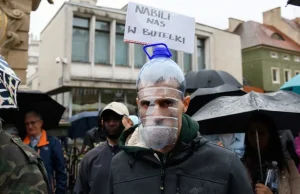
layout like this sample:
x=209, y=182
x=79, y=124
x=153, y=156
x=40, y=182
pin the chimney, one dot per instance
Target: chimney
x=272, y=16
x=233, y=24
x=91, y=2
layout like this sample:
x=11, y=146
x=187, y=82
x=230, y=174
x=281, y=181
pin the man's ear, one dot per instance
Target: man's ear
x=137, y=101
x=186, y=103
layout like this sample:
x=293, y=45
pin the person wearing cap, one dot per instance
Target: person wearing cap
x=130, y=121
x=134, y=120
x=97, y=161
x=166, y=154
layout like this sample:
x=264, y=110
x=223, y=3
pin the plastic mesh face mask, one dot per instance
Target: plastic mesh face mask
x=158, y=111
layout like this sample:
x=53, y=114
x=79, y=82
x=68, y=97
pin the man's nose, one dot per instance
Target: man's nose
x=154, y=110
x=158, y=121
x=111, y=122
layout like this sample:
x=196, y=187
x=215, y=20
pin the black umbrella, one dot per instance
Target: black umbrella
x=50, y=110
x=231, y=114
x=204, y=95
x=209, y=79
x=294, y=2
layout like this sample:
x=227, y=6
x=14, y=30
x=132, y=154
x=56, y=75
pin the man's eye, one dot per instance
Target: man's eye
x=145, y=103
x=167, y=103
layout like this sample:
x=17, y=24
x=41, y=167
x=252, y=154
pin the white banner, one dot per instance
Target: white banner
x=147, y=25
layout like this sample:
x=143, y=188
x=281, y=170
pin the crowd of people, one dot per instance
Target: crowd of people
x=162, y=151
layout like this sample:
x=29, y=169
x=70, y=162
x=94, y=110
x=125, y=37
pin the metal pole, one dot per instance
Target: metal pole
x=259, y=156
x=70, y=103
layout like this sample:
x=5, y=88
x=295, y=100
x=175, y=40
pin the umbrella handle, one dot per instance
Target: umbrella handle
x=259, y=155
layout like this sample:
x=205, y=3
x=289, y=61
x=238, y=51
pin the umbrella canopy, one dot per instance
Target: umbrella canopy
x=209, y=79
x=50, y=110
x=82, y=122
x=204, y=95
x=9, y=84
x=231, y=114
x=292, y=85
x=294, y=2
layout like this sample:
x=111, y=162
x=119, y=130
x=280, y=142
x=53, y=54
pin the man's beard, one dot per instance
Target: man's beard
x=116, y=134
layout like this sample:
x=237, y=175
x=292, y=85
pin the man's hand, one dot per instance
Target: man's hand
x=220, y=144
x=262, y=189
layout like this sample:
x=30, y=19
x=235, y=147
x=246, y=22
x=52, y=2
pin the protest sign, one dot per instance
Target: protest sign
x=146, y=25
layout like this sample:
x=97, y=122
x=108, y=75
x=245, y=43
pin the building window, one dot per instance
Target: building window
x=54, y=97
x=108, y=96
x=80, y=40
x=139, y=56
x=59, y=98
x=66, y=101
x=277, y=36
x=102, y=42
x=287, y=75
x=85, y=99
x=297, y=59
x=200, y=54
x=275, y=75
x=274, y=55
x=131, y=102
x=174, y=55
x=286, y=57
x=121, y=46
x=297, y=73
x=187, y=62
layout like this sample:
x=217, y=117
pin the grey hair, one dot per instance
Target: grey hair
x=32, y=112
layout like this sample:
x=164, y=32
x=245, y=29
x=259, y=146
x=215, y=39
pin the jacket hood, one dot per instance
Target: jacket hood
x=132, y=142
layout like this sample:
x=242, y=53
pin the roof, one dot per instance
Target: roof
x=248, y=89
x=256, y=34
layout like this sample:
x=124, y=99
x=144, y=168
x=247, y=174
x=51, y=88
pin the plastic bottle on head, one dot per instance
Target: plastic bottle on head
x=160, y=62
x=161, y=86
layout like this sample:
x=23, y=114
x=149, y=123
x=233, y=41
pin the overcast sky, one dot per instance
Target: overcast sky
x=209, y=12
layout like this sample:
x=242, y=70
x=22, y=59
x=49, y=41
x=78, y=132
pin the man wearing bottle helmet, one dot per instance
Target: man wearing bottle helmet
x=165, y=153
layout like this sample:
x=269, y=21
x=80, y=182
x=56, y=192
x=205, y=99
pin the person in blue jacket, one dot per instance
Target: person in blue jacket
x=50, y=150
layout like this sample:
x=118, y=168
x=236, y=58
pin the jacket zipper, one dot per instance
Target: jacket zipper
x=162, y=173
x=162, y=176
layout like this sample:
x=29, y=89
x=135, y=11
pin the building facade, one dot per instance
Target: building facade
x=269, y=68
x=270, y=53
x=84, y=63
x=14, y=28
x=33, y=60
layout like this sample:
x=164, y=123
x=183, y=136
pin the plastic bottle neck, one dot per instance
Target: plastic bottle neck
x=160, y=56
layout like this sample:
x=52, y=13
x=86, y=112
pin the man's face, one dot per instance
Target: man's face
x=33, y=125
x=164, y=103
x=112, y=122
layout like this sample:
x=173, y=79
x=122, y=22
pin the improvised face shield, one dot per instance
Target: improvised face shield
x=158, y=111
x=160, y=85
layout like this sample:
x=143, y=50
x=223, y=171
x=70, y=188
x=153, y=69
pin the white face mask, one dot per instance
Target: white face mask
x=158, y=111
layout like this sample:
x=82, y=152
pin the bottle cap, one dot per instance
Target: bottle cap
x=160, y=50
